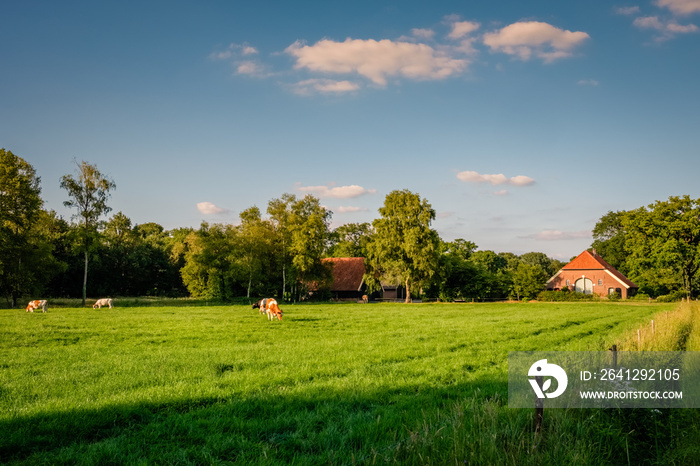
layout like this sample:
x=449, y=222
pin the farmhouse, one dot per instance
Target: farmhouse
x=348, y=282
x=589, y=273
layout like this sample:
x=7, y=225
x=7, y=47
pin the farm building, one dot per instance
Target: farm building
x=589, y=273
x=348, y=282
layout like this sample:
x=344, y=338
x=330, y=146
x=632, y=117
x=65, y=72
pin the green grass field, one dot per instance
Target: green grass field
x=330, y=384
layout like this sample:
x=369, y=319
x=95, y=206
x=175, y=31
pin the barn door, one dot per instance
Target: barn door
x=584, y=285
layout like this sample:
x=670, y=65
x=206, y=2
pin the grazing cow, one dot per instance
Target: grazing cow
x=261, y=306
x=270, y=307
x=365, y=299
x=36, y=304
x=103, y=302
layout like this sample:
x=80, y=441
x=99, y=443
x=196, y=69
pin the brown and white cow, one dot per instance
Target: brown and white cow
x=270, y=307
x=103, y=302
x=36, y=304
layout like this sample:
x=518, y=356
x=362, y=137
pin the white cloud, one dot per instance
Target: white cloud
x=462, y=28
x=667, y=29
x=425, y=34
x=533, y=38
x=338, y=192
x=324, y=86
x=207, y=208
x=680, y=7
x=376, y=60
x=250, y=68
x=351, y=209
x=234, y=50
x=474, y=177
x=557, y=235
x=503, y=192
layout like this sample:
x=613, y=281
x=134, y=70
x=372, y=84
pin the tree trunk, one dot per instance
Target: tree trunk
x=250, y=280
x=85, y=277
x=408, y=293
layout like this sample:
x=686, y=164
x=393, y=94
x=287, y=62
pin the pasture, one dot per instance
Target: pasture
x=330, y=384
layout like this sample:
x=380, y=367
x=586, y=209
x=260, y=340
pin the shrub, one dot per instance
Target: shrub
x=672, y=297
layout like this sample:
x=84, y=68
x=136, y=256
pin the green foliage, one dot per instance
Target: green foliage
x=404, y=249
x=335, y=384
x=26, y=262
x=657, y=247
x=563, y=296
x=88, y=192
x=350, y=240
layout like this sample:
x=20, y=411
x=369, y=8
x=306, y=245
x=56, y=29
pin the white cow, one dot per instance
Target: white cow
x=103, y=302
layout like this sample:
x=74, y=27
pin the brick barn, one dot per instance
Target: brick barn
x=589, y=273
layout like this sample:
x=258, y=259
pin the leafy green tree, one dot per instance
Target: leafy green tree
x=528, y=280
x=350, y=240
x=210, y=265
x=254, y=245
x=25, y=253
x=404, y=249
x=609, y=240
x=665, y=237
x=310, y=232
x=88, y=192
x=280, y=211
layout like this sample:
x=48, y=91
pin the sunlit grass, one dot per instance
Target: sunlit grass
x=331, y=383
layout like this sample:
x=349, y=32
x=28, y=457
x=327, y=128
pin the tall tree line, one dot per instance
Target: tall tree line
x=279, y=252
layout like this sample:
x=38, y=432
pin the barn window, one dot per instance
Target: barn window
x=600, y=282
x=568, y=283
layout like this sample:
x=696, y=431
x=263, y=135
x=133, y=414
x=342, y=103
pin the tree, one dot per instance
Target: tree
x=528, y=280
x=309, y=239
x=665, y=236
x=404, y=249
x=210, y=267
x=88, y=193
x=609, y=240
x=24, y=251
x=253, y=244
x=350, y=240
x=280, y=210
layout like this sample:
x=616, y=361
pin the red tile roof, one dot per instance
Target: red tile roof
x=347, y=273
x=591, y=261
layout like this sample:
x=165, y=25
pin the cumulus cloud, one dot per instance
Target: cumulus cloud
x=557, y=235
x=351, y=209
x=680, y=7
x=338, y=192
x=376, y=60
x=474, y=177
x=207, y=208
x=533, y=38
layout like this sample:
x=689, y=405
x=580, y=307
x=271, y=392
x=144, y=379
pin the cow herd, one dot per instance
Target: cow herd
x=43, y=304
x=266, y=306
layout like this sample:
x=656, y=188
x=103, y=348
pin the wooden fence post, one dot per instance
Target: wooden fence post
x=539, y=407
x=614, y=356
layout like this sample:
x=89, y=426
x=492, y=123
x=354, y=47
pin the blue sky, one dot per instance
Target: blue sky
x=522, y=123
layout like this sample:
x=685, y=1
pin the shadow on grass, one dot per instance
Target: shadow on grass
x=467, y=423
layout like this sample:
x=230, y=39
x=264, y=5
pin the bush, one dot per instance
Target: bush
x=555, y=296
x=672, y=297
